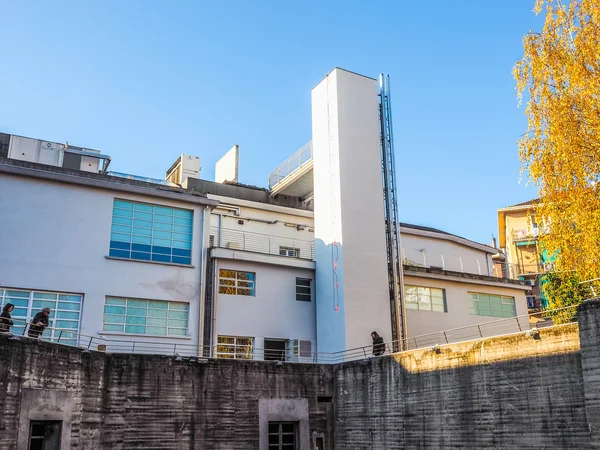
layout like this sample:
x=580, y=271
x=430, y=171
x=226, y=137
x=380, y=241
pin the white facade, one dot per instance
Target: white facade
x=350, y=243
x=272, y=312
x=56, y=238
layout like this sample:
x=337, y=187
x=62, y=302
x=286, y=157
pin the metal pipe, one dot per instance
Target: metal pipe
x=203, y=253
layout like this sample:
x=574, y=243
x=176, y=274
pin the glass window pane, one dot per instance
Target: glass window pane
x=123, y=204
x=156, y=330
x=142, y=215
x=178, y=315
x=182, y=245
x=109, y=327
x=135, y=329
x=144, y=207
x=177, y=331
x=121, y=229
x=141, y=239
x=114, y=318
x=137, y=303
x=67, y=315
x=138, y=312
x=17, y=294
x=44, y=296
x=115, y=301
x=108, y=309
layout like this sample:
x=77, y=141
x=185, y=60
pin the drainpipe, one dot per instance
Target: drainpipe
x=213, y=324
x=203, y=260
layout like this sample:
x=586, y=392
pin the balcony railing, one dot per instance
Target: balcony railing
x=262, y=243
x=199, y=354
x=294, y=162
x=523, y=234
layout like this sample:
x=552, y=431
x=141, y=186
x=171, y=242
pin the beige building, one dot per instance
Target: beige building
x=518, y=232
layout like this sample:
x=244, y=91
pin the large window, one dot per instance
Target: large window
x=151, y=233
x=491, y=305
x=425, y=298
x=234, y=282
x=154, y=317
x=283, y=435
x=303, y=289
x=234, y=347
x=64, y=315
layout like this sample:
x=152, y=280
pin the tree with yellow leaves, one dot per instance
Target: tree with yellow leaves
x=560, y=77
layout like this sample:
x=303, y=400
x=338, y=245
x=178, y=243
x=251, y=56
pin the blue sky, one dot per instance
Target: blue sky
x=145, y=81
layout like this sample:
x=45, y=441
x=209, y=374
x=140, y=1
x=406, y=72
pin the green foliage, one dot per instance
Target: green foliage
x=563, y=289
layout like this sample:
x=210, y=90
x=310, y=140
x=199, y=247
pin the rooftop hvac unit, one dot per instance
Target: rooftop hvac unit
x=186, y=166
x=58, y=155
x=299, y=350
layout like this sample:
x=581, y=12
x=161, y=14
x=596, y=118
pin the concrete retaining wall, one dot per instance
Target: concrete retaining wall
x=518, y=391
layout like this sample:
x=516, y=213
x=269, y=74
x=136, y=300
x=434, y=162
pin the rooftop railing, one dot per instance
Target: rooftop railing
x=302, y=156
x=524, y=323
x=262, y=243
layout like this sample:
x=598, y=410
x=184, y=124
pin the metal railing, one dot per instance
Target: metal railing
x=261, y=243
x=300, y=157
x=519, y=234
x=181, y=350
x=465, y=264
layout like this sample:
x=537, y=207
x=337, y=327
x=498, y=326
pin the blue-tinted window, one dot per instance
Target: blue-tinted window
x=147, y=232
x=65, y=311
x=155, y=317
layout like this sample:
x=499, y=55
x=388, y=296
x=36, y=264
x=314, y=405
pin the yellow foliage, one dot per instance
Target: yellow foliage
x=560, y=76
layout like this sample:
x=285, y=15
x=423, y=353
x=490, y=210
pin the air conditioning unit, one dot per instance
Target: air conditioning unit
x=299, y=350
x=530, y=282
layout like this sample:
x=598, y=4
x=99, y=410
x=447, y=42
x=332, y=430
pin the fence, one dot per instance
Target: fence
x=294, y=162
x=248, y=351
x=261, y=243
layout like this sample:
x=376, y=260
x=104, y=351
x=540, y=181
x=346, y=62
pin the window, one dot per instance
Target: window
x=491, y=305
x=275, y=349
x=44, y=434
x=234, y=347
x=234, y=282
x=155, y=317
x=289, y=251
x=303, y=289
x=64, y=315
x=151, y=233
x=425, y=299
x=283, y=435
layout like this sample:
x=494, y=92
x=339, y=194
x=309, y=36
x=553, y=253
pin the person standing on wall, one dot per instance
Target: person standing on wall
x=378, y=345
x=39, y=323
x=5, y=319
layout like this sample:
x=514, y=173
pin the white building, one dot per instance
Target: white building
x=238, y=270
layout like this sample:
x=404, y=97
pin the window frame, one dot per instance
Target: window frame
x=304, y=294
x=280, y=445
x=111, y=326
x=475, y=305
x=420, y=304
x=290, y=252
x=151, y=232
x=221, y=348
x=63, y=335
x=226, y=283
